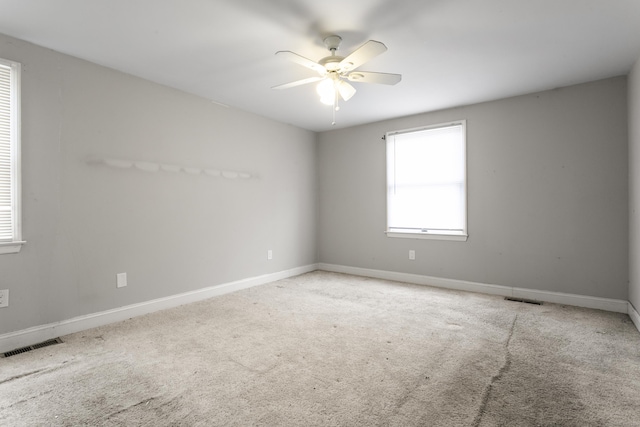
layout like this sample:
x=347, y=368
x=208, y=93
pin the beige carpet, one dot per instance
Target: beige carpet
x=327, y=349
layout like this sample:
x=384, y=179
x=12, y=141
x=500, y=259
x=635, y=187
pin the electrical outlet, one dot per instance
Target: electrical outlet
x=269, y=254
x=121, y=280
x=412, y=255
x=4, y=298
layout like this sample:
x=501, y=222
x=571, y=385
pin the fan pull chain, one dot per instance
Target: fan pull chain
x=336, y=107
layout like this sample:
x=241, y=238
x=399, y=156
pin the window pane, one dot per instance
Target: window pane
x=433, y=207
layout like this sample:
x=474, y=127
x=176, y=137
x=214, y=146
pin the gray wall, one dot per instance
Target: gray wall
x=634, y=186
x=547, y=194
x=171, y=233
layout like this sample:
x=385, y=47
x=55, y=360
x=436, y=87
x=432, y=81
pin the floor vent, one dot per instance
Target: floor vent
x=528, y=301
x=47, y=343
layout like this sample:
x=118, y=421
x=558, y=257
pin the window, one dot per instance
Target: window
x=10, y=230
x=426, y=182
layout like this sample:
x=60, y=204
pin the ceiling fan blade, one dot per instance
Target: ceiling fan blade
x=364, y=53
x=305, y=62
x=298, y=83
x=370, y=77
x=346, y=90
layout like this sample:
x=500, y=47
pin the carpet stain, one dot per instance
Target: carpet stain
x=505, y=367
x=17, y=377
x=22, y=401
x=142, y=402
x=35, y=372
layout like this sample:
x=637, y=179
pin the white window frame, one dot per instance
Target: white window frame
x=425, y=233
x=15, y=242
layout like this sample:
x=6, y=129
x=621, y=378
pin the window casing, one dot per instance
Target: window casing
x=426, y=182
x=10, y=219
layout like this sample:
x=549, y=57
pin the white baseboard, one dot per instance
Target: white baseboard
x=618, y=306
x=18, y=339
x=22, y=338
x=635, y=317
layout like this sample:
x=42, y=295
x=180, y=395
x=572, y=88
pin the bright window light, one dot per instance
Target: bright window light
x=426, y=182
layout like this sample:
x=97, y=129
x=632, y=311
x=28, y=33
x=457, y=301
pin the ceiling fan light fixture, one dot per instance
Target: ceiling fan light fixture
x=345, y=89
x=327, y=91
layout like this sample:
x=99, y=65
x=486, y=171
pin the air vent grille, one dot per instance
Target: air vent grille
x=47, y=343
x=528, y=301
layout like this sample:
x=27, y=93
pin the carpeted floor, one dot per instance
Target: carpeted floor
x=328, y=349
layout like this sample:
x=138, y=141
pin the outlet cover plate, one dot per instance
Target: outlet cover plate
x=121, y=280
x=4, y=298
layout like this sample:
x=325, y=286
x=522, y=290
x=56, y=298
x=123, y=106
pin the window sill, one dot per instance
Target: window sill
x=459, y=237
x=11, y=247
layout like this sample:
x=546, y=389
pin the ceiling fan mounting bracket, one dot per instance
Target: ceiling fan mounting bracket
x=332, y=43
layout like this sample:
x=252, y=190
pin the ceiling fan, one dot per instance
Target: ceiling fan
x=335, y=70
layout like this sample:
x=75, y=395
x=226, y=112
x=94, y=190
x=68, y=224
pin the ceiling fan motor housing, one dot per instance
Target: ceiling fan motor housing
x=331, y=63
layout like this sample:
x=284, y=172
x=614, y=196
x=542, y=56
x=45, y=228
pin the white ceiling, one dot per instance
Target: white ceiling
x=449, y=52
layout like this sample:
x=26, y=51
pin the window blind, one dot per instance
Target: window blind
x=427, y=175
x=7, y=154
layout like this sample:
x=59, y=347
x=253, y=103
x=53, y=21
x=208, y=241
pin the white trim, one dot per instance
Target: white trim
x=618, y=306
x=17, y=156
x=18, y=339
x=462, y=122
x=15, y=176
x=11, y=247
x=635, y=317
x=434, y=235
